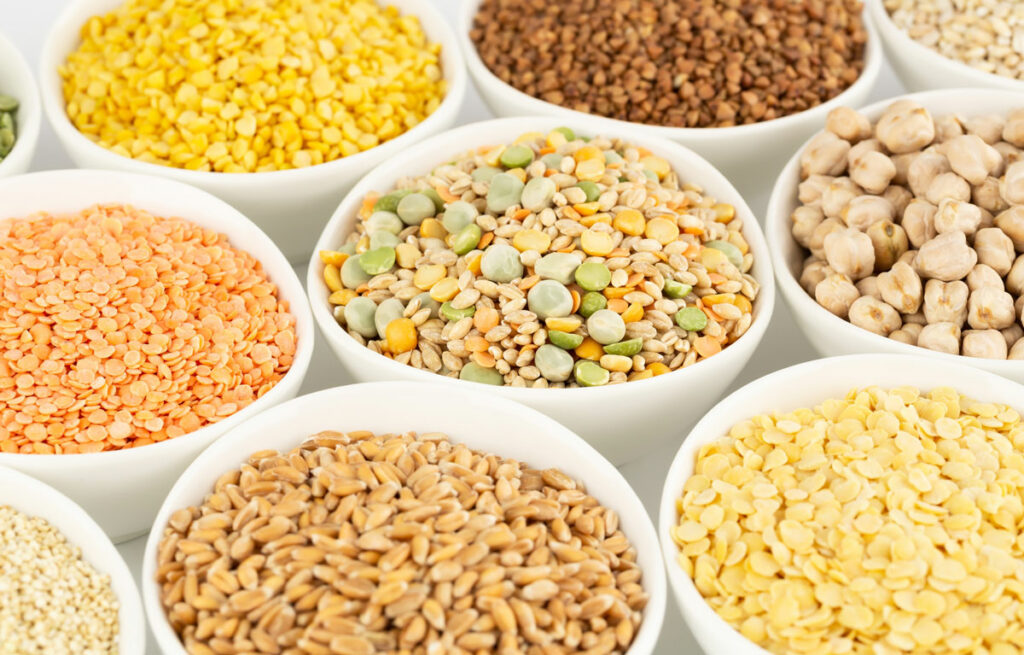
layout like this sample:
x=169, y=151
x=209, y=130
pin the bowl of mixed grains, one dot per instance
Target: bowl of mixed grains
x=595, y=278
x=21, y=113
x=141, y=319
x=277, y=108
x=463, y=523
x=860, y=504
x=740, y=83
x=64, y=588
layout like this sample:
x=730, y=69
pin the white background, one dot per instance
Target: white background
x=26, y=23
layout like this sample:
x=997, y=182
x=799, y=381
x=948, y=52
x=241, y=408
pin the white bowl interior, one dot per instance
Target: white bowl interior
x=829, y=333
x=33, y=498
x=16, y=80
x=470, y=417
x=803, y=385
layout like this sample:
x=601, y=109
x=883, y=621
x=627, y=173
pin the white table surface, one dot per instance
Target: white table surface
x=26, y=23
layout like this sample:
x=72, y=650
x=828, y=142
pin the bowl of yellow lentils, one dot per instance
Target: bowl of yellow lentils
x=275, y=107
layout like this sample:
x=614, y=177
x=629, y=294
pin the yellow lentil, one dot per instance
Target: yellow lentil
x=887, y=521
x=243, y=86
x=401, y=335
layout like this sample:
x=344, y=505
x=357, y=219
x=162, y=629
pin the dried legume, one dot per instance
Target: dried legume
x=363, y=543
x=589, y=263
x=237, y=86
x=121, y=329
x=682, y=64
x=51, y=600
x=8, y=124
x=887, y=521
x=918, y=220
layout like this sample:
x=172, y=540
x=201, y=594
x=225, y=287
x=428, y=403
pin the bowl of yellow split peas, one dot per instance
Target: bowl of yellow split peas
x=275, y=107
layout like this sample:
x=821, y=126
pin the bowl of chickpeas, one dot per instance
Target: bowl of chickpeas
x=900, y=229
x=277, y=110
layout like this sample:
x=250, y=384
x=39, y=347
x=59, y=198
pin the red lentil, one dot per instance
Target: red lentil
x=119, y=329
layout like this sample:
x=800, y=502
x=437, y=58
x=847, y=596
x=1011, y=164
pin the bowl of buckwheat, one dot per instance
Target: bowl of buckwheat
x=596, y=276
x=741, y=84
x=941, y=45
x=900, y=229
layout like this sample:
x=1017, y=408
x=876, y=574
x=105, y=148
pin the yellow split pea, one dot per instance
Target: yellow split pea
x=250, y=85
x=888, y=521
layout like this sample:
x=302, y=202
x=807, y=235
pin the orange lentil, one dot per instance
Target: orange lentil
x=120, y=329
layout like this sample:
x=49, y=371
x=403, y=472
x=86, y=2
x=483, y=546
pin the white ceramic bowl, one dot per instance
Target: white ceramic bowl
x=623, y=421
x=921, y=69
x=122, y=489
x=16, y=80
x=743, y=152
x=803, y=385
x=292, y=205
x=468, y=416
x=33, y=498
x=829, y=334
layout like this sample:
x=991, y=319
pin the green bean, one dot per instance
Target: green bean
x=466, y=239
x=549, y=299
x=473, y=372
x=691, y=319
x=675, y=289
x=537, y=194
x=500, y=263
x=414, y=208
x=566, y=132
x=553, y=363
x=389, y=202
x=436, y=197
x=458, y=215
x=593, y=276
x=565, y=340
x=384, y=221
x=592, y=302
x=484, y=173
x=626, y=348
x=731, y=252
x=605, y=326
x=378, y=261
x=450, y=313
x=558, y=266
x=590, y=374
x=505, y=191
x=429, y=303
x=352, y=273
x=383, y=239
x=591, y=189
x=516, y=157
x=359, y=316
x=387, y=311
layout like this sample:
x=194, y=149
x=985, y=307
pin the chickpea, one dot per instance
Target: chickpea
x=1013, y=131
x=988, y=127
x=805, y=219
x=903, y=336
x=971, y=158
x=837, y=196
x=919, y=221
x=948, y=186
x=1011, y=155
x=1012, y=334
x=957, y=216
x=924, y=168
x=917, y=318
x=983, y=276
x=814, y=272
x=848, y=124
x=988, y=344
x=905, y=126
x=874, y=315
x=942, y=337
x=945, y=302
x=994, y=249
x=986, y=195
x=863, y=148
x=990, y=308
x=947, y=257
x=899, y=196
x=1011, y=222
x=889, y=241
x=908, y=257
x=1015, y=278
x=810, y=190
x=901, y=288
x=1018, y=307
x=836, y=293
x=824, y=155
x=816, y=244
x=947, y=127
x=850, y=252
x=873, y=171
x=902, y=163
x=863, y=211
x=1017, y=351
x=1012, y=184
x=869, y=287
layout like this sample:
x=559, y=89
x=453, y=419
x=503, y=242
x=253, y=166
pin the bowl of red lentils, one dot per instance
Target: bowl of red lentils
x=857, y=504
x=740, y=83
x=276, y=108
x=596, y=276
x=21, y=113
x=463, y=522
x=64, y=588
x=141, y=319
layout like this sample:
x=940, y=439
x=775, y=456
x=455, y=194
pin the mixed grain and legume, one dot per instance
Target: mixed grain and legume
x=715, y=63
x=8, y=124
x=915, y=227
x=887, y=521
x=239, y=86
x=52, y=602
x=985, y=34
x=120, y=329
x=359, y=543
x=551, y=261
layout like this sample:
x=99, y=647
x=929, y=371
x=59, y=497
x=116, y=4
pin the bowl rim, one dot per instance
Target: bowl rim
x=902, y=46
x=777, y=229
x=483, y=77
x=681, y=584
x=131, y=618
x=30, y=111
x=289, y=288
x=764, y=304
x=54, y=107
x=231, y=449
